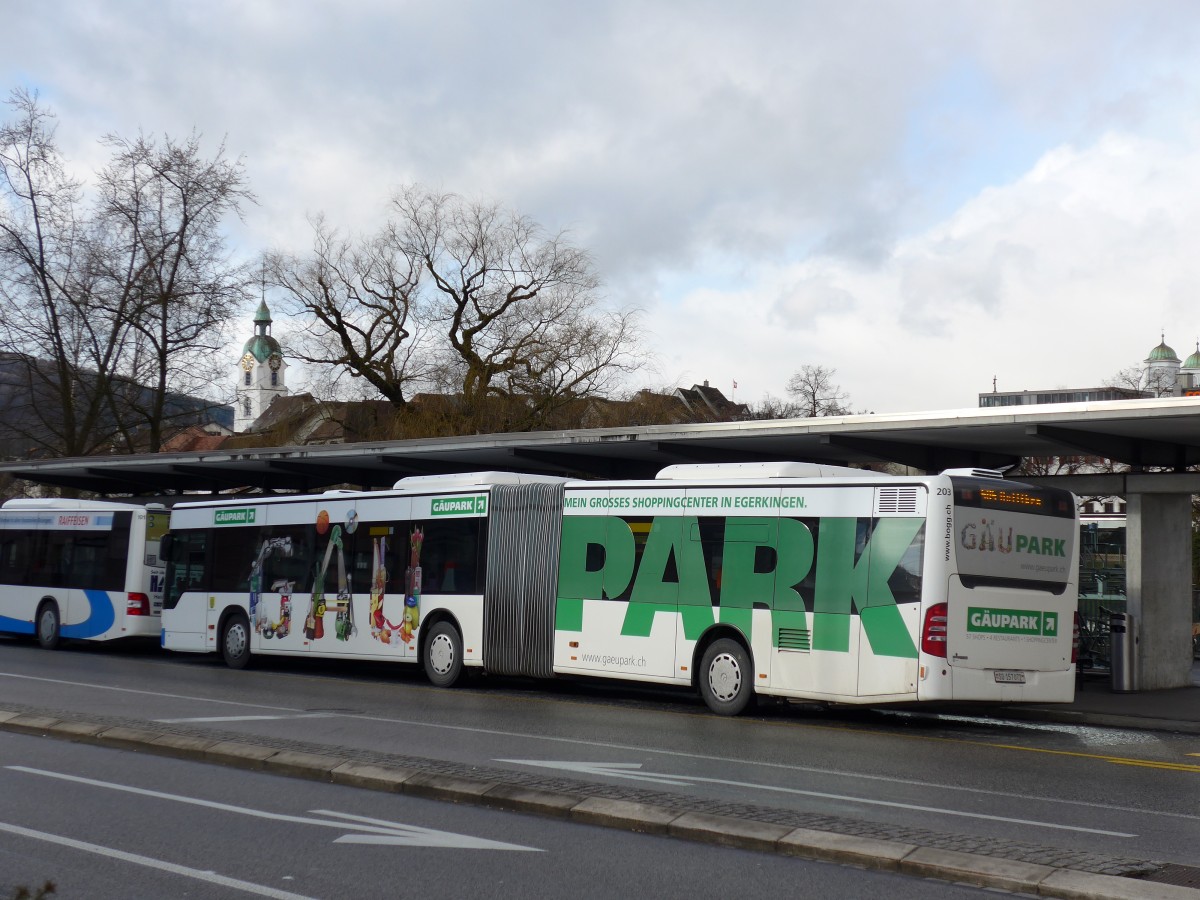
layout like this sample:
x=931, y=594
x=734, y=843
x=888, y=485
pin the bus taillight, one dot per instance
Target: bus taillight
x=137, y=605
x=1075, y=640
x=933, y=635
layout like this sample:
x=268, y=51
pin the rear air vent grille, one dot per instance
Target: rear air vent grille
x=897, y=500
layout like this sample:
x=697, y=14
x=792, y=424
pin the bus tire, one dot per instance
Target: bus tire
x=49, y=626
x=443, y=654
x=235, y=641
x=726, y=677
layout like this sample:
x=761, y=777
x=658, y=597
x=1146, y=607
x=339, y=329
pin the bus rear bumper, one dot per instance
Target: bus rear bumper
x=988, y=686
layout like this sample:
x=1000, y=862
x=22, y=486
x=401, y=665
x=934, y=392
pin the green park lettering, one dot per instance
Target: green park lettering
x=764, y=560
x=1032, y=544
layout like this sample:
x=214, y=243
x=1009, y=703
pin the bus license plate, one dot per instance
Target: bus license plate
x=1009, y=677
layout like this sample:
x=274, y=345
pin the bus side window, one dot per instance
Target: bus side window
x=233, y=554
x=449, y=555
x=905, y=583
x=16, y=551
x=116, y=545
x=186, y=565
x=52, y=569
x=35, y=563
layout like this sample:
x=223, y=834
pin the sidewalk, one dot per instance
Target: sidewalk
x=1097, y=704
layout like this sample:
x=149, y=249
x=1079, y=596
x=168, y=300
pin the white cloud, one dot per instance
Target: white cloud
x=1061, y=278
x=920, y=195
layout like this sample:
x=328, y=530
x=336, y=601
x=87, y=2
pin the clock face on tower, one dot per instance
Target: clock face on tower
x=275, y=362
x=248, y=361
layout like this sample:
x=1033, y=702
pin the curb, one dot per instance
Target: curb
x=726, y=831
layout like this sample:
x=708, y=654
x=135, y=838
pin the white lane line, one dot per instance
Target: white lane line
x=633, y=771
x=411, y=723
x=787, y=767
x=241, y=718
x=193, y=801
x=105, y=687
x=388, y=832
x=151, y=863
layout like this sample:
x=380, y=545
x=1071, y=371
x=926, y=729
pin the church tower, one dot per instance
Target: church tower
x=260, y=374
x=1161, y=374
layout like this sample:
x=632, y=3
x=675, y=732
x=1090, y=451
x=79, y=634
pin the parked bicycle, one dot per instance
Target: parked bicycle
x=1095, y=640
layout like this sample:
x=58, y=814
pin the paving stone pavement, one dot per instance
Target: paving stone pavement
x=1015, y=851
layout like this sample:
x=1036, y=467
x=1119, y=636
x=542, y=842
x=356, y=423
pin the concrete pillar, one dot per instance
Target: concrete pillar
x=1159, y=588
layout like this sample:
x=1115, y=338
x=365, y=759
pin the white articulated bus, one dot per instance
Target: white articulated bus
x=789, y=579
x=84, y=569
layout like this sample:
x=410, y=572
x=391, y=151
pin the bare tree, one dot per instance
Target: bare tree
x=110, y=309
x=61, y=341
x=771, y=407
x=816, y=394
x=464, y=299
x=1157, y=382
x=360, y=311
x=165, y=266
x=520, y=309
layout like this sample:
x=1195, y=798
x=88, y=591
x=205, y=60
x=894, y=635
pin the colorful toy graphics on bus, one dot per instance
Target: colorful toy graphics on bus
x=314, y=624
x=283, y=627
x=280, y=546
x=383, y=629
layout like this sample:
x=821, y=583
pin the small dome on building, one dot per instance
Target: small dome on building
x=1193, y=361
x=1162, y=353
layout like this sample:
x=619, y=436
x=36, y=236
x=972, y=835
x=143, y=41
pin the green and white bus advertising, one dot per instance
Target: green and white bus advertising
x=790, y=580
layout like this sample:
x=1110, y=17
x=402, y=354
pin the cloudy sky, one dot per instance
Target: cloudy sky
x=923, y=196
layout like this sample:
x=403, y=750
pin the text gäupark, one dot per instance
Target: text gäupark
x=1011, y=621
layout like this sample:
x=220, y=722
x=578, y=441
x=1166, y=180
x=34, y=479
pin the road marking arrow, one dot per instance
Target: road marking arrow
x=415, y=836
x=376, y=831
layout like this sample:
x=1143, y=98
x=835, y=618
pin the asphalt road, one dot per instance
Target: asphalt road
x=1113, y=791
x=103, y=823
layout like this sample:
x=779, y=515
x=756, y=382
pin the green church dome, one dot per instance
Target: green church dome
x=262, y=346
x=1193, y=361
x=1162, y=353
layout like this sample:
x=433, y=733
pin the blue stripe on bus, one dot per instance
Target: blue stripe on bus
x=100, y=618
x=15, y=626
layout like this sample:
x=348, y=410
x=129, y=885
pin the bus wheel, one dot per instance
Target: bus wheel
x=49, y=631
x=725, y=677
x=235, y=641
x=443, y=655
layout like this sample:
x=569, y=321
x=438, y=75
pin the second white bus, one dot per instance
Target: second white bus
x=790, y=580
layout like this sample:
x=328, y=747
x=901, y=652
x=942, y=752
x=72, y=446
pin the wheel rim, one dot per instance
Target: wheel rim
x=441, y=654
x=725, y=677
x=235, y=640
x=46, y=625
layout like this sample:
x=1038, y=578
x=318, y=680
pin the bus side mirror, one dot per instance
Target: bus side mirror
x=164, y=547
